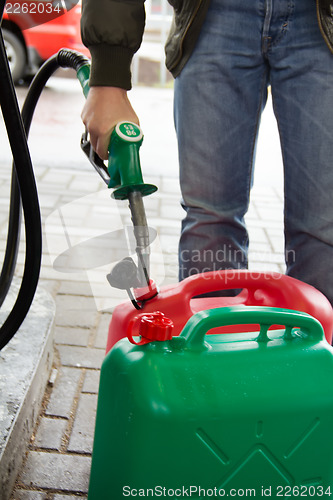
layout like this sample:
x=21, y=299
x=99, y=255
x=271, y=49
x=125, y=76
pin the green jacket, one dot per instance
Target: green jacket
x=113, y=30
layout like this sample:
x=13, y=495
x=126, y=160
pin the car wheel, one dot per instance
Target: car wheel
x=15, y=54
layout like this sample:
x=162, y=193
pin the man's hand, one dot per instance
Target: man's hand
x=104, y=108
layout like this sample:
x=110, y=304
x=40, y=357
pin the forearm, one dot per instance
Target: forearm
x=112, y=31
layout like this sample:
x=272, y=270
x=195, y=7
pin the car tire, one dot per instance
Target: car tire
x=15, y=53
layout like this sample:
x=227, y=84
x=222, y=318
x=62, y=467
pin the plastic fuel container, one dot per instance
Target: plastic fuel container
x=210, y=415
x=181, y=300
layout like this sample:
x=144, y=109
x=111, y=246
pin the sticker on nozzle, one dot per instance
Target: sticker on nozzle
x=129, y=131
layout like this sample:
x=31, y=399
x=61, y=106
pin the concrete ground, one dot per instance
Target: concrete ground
x=76, y=208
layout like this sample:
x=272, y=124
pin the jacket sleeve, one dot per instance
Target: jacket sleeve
x=112, y=30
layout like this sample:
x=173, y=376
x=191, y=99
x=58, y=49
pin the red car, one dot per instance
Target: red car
x=34, y=31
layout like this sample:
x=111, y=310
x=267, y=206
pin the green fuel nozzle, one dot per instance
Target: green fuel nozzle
x=123, y=174
x=124, y=162
x=83, y=75
x=126, y=178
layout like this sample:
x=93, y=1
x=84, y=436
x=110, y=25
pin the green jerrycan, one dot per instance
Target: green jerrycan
x=218, y=415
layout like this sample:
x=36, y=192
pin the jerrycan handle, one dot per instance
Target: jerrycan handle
x=200, y=323
x=212, y=281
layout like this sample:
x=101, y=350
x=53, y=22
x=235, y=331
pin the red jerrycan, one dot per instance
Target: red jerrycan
x=180, y=301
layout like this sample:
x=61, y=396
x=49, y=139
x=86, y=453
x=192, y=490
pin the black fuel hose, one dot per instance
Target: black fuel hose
x=23, y=182
x=14, y=227
x=14, y=221
x=13, y=236
x=25, y=177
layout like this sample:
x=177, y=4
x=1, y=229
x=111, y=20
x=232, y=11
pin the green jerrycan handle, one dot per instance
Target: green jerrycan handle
x=200, y=323
x=124, y=165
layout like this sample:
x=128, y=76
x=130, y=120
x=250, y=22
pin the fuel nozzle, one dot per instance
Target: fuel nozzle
x=126, y=178
x=123, y=174
x=124, y=162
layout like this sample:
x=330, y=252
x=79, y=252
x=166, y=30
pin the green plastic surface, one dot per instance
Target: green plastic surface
x=124, y=162
x=83, y=75
x=224, y=413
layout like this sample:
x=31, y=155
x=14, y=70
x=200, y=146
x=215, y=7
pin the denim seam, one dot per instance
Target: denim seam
x=268, y=18
x=266, y=39
x=288, y=19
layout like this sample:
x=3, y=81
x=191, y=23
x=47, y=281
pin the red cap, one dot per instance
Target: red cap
x=153, y=326
x=156, y=326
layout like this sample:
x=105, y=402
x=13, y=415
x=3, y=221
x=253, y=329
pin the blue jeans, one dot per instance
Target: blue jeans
x=244, y=46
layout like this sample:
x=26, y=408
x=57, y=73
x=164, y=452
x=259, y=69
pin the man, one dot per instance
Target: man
x=223, y=55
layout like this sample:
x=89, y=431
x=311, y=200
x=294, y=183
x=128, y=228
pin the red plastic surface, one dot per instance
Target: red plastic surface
x=147, y=292
x=178, y=301
x=152, y=326
x=46, y=33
